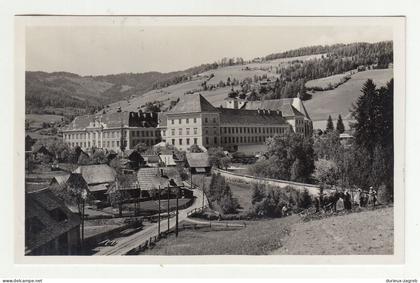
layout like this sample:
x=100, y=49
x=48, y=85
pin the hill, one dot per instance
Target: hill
x=340, y=100
x=368, y=232
x=69, y=94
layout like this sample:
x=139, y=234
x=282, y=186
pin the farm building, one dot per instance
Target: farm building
x=50, y=227
x=99, y=178
x=198, y=162
x=151, y=179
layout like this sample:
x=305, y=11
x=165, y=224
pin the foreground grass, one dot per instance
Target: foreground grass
x=368, y=232
x=258, y=238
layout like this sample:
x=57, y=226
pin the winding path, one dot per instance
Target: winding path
x=125, y=244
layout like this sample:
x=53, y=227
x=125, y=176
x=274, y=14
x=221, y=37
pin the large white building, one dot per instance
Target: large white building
x=112, y=131
x=239, y=124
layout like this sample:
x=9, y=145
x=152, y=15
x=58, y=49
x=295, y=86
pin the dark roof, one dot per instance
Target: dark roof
x=97, y=174
x=192, y=103
x=41, y=226
x=112, y=120
x=198, y=159
x=76, y=180
x=150, y=178
x=246, y=117
x=285, y=105
x=60, y=179
x=115, y=120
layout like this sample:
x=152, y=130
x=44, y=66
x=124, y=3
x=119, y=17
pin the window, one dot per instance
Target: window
x=173, y=141
x=214, y=120
x=118, y=143
x=195, y=131
x=172, y=121
x=224, y=130
x=195, y=120
x=187, y=120
x=207, y=140
x=206, y=120
x=180, y=141
x=180, y=131
x=195, y=140
x=188, y=141
x=179, y=121
x=173, y=132
x=215, y=140
x=188, y=131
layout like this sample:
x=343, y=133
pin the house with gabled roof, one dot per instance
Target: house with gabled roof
x=99, y=178
x=50, y=227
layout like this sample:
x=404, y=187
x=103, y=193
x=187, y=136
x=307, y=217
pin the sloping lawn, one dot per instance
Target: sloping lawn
x=258, y=238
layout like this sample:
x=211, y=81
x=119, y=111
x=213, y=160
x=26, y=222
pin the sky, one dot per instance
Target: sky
x=101, y=50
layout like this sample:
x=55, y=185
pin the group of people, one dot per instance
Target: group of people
x=345, y=201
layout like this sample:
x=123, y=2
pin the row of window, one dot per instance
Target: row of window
x=149, y=142
x=108, y=144
x=114, y=134
x=246, y=139
x=180, y=131
x=145, y=133
x=187, y=141
x=194, y=120
x=250, y=130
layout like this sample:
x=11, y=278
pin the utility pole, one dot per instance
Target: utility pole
x=169, y=198
x=138, y=185
x=202, y=205
x=159, y=212
x=83, y=195
x=176, y=225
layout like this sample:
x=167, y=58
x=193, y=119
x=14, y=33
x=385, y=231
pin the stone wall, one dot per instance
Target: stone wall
x=248, y=179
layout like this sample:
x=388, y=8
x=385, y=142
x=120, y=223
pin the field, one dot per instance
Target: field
x=38, y=119
x=340, y=100
x=326, y=82
x=369, y=232
x=217, y=96
x=257, y=238
x=242, y=193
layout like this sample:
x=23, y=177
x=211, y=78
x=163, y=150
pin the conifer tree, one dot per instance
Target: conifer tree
x=340, y=125
x=330, y=125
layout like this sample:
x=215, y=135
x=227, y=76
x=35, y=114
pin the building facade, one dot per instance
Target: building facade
x=240, y=124
x=113, y=131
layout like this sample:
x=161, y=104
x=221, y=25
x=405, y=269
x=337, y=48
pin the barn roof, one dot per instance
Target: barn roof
x=151, y=178
x=198, y=159
x=97, y=174
x=41, y=225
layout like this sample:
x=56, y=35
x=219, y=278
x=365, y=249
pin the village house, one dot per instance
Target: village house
x=99, y=178
x=50, y=227
x=198, y=162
